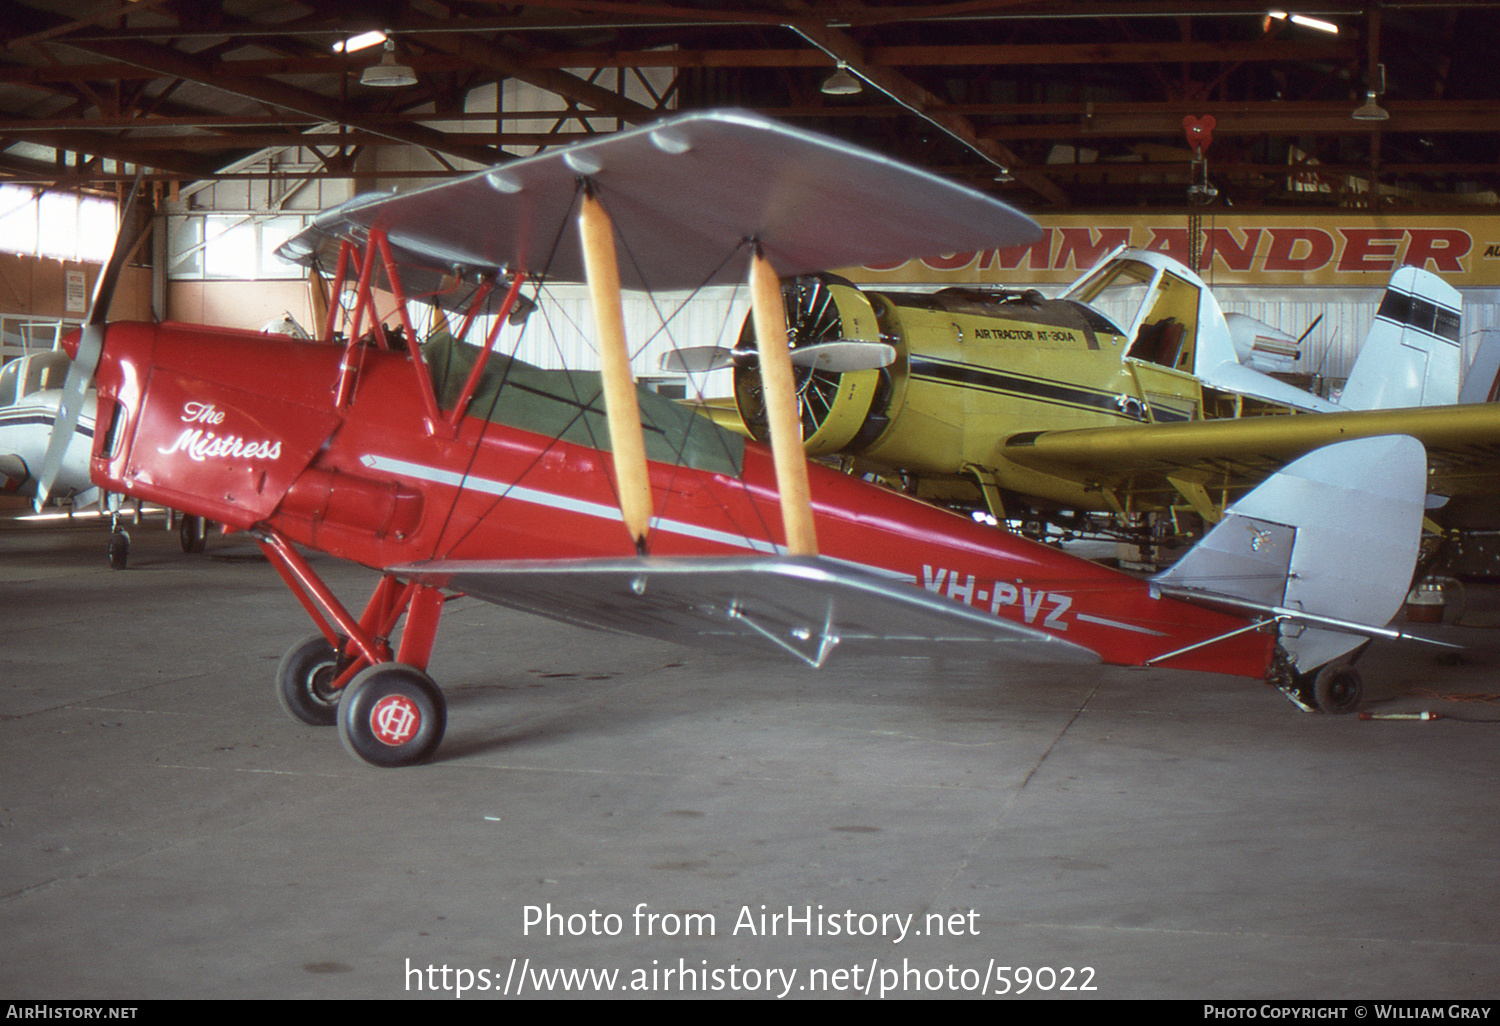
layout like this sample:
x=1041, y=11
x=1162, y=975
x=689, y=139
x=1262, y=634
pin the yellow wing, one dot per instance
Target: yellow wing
x=1209, y=463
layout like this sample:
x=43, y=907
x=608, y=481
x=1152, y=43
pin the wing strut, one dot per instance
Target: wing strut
x=769, y=310
x=626, y=439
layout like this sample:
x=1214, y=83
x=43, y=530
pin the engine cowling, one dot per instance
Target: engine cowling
x=843, y=412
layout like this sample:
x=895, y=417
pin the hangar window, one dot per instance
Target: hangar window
x=60, y=225
x=231, y=246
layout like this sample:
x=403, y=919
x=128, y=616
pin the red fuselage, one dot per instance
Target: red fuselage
x=244, y=429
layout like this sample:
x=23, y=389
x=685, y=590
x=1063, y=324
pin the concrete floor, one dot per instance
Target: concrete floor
x=166, y=831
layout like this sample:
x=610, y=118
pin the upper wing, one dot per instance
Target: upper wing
x=684, y=194
x=1212, y=461
x=810, y=608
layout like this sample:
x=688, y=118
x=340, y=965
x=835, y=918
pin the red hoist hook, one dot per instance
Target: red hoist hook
x=1200, y=134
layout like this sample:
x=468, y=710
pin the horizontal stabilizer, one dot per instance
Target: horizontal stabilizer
x=808, y=608
x=1333, y=535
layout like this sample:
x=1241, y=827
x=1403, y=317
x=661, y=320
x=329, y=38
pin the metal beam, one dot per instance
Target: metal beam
x=1027, y=54
x=176, y=64
x=843, y=49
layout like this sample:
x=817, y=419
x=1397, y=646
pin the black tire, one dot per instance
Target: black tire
x=392, y=715
x=303, y=681
x=119, y=550
x=1337, y=689
x=193, y=533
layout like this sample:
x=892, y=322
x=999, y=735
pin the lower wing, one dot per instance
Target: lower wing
x=1209, y=463
x=810, y=608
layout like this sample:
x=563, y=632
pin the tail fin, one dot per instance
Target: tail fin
x=1326, y=546
x=1412, y=356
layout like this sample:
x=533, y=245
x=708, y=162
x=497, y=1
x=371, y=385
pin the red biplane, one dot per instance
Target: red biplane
x=456, y=469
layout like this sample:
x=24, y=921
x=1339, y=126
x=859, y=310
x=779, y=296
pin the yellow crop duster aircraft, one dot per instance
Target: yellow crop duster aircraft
x=1130, y=393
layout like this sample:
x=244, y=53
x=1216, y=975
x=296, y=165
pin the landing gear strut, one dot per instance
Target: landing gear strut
x=119, y=538
x=389, y=712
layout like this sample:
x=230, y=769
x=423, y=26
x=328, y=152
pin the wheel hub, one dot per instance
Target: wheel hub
x=395, y=720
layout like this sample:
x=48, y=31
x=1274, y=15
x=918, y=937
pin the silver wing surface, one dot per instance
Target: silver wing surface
x=809, y=608
x=684, y=194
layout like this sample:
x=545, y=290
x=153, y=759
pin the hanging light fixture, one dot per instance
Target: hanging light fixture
x=388, y=74
x=842, y=83
x=1372, y=111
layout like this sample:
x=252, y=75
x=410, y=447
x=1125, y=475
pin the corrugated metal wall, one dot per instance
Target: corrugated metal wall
x=561, y=333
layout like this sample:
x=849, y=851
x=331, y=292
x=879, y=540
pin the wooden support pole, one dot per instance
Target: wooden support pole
x=780, y=391
x=626, y=438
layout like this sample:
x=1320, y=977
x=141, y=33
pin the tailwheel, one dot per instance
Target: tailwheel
x=304, y=681
x=1337, y=689
x=392, y=715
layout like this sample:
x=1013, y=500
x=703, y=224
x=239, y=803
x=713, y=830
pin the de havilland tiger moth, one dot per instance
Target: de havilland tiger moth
x=452, y=468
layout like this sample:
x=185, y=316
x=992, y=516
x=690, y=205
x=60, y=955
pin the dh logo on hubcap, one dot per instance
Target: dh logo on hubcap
x=395, y=720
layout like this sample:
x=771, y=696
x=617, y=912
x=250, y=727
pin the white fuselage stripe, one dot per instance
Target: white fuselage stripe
x=1102, y=622
x=563, y=502
x=552, y=500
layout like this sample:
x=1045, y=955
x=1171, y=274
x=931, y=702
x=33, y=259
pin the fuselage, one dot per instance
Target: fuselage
x=244, y=429
x=1128, y=346
x=25, y=427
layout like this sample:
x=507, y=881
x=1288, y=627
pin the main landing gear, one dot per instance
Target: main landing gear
x=119, y=538
x=388, y=710
x=192, y=532
x=119, y=548
x=305, y=681
x=392, y=715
